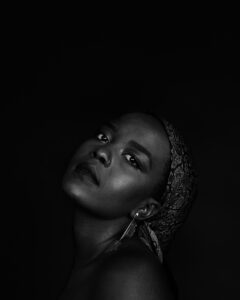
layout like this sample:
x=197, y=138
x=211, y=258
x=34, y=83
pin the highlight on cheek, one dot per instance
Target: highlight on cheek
x=121, y=182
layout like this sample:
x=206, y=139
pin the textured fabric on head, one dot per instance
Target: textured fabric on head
x=177, y=198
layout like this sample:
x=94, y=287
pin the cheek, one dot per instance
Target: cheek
x=121, y=182
x=126, y=188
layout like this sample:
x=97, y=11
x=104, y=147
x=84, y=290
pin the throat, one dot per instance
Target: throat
x=93, y=236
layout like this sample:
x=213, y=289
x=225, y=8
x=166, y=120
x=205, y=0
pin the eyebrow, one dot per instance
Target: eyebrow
x=111, y=126
x=141, y=149
x=131, y=143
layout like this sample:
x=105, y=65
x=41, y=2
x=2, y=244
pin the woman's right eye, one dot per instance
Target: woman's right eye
x=102, y=137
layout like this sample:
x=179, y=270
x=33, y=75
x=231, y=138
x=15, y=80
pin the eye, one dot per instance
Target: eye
x=102, y=137
x=132, y=160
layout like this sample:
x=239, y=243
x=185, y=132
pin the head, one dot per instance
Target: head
x=130, y=156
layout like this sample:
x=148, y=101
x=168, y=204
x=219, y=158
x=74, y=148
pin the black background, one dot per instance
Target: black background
x=64, y=74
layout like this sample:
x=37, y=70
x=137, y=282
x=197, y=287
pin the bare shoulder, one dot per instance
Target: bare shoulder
x=132, y=273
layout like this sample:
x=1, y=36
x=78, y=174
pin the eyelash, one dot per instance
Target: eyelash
x=100, y=138
x=136, y=164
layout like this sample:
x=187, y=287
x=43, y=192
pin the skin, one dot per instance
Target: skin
x=127, y=178
x=122, y=186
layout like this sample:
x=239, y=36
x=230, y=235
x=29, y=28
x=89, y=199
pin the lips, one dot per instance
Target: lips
x=85, y=168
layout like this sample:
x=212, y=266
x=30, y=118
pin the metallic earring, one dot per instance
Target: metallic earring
x=136, y=215
x=128, y=233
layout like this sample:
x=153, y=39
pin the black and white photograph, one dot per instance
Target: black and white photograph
x=121, y=146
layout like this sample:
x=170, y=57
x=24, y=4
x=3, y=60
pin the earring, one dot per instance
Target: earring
x=130, y=230
x=140, y=213
x=136, y=215
x=128, y=233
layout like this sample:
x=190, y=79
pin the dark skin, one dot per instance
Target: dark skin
x=127, y=177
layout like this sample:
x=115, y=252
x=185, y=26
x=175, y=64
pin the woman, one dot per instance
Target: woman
x=133, y=185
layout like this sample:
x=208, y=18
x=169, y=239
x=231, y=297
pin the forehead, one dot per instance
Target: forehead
x=139, y=122
x=145, y=130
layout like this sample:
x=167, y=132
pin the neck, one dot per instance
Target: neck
x=93, y=235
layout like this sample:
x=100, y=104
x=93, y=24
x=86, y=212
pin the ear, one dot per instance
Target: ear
x=147, y=209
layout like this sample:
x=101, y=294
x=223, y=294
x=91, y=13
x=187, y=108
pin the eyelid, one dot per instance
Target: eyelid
x=142, y=164
x=102, y=132
x=135, y=157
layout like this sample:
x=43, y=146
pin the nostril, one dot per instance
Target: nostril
x=102, y=159
x=101, y=155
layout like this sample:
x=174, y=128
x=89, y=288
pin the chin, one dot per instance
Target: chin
x=75, y=191
x=70, y=187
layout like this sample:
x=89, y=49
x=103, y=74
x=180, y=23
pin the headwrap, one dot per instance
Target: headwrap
x=176, y=200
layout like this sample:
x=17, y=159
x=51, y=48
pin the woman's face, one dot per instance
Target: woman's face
x=127, y=157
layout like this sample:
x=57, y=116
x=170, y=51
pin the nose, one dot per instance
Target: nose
x=103, y=155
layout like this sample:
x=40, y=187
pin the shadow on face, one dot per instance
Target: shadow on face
x=127, y=157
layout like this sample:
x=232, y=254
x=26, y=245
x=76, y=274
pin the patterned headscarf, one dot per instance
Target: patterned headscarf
x=176, y=200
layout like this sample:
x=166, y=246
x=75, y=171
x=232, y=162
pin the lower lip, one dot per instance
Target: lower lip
x=83, y=174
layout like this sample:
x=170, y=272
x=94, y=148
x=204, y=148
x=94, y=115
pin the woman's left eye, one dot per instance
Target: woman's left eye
x=102, y=137
x=133, y=161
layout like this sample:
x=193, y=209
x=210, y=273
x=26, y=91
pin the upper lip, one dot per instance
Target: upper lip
x=89, y=168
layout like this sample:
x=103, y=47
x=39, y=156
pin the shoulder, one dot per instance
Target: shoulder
x=132, y=273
